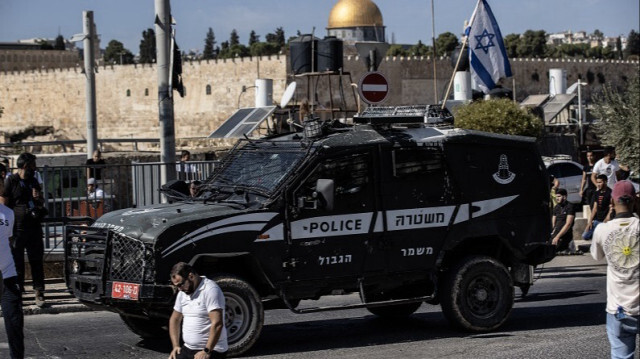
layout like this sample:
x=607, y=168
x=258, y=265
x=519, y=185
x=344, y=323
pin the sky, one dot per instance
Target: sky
x=407, y=20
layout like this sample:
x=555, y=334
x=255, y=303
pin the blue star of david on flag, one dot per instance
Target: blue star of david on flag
x=489, y=44
x=487, y=56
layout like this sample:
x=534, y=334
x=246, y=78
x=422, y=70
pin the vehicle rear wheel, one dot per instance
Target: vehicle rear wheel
x=243, y=313
x=147, y=328
x=477, y=294
x=395, y=311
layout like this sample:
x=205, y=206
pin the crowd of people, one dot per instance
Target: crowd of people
x=614, y=229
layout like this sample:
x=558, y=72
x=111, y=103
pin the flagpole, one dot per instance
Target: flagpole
x=464, y=45
x=433, y=41
x=446, y=96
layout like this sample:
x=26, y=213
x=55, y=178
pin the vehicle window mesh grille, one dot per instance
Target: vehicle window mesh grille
x=258, y=166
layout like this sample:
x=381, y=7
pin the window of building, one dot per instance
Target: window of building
x=208, y=89
x=128, y=93
x=146, y=92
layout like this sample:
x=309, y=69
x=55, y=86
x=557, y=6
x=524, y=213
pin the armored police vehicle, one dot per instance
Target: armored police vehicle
x=398, y=207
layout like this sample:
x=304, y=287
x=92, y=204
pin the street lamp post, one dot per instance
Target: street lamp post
x=580, y=84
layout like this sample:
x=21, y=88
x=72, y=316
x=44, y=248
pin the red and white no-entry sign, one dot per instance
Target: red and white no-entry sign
x=373, y=88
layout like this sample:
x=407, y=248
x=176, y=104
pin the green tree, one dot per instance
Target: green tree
x=263, y=49
x=59, y=43
x=598, y=34
x=633, y=45
x=511, y=44
x=277, y=37
x=396, y=50
x=445, y=43
x=209, y=45
x=148, y=47
x=253, y=38
x=115, y=53
x=234, y=39
x=498, y=116
x=619, y=124
x=619, y=53
x=420, y=49
x=532, y=44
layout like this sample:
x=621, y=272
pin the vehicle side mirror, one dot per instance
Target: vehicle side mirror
x=324, y=192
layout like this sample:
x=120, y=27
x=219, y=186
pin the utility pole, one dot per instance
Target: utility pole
x=89, y=73
x=165, y=99
x=433, y=42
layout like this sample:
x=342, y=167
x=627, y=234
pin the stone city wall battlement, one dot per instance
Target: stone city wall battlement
x=127, y=101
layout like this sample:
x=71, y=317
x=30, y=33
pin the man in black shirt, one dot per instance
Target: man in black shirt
x=95, y=165
x=601, y=207
x=22, y=193
x=587, y=187
x=562, y=221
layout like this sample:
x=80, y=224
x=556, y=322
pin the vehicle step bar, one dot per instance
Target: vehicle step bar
x=359, y=305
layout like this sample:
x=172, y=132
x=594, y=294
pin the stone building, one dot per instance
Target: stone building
x=19, y=57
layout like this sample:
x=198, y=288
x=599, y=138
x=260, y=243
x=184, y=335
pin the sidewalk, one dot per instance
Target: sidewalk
x=57, y=299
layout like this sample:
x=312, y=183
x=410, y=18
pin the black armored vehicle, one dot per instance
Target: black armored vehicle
x=397, y=208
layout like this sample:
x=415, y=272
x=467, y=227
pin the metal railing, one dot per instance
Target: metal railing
x=66, y=144
x=123, y=186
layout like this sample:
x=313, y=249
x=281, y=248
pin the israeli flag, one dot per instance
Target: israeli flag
x=487, y=55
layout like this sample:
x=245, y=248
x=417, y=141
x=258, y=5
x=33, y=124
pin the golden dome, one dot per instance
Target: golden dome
x=352, y=13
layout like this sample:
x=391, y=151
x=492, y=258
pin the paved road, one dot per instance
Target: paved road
x=562, y=317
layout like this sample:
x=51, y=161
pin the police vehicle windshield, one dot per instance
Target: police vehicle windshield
x=257, y=167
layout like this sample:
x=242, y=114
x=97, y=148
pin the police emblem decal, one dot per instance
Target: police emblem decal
x=504, y=176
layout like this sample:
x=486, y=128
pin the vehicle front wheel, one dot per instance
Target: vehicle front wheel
x=477, y=294
x=243, y=313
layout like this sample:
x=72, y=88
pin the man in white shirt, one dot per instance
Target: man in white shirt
x=200, y=308
x=93, y=191
x=618, y=241
x=11, y=300
x=607, y=166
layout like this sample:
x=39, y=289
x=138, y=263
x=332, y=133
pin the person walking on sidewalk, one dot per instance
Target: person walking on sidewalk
x=200, y=308
x=608, y=166
x=562, y=222
x=10, y=293
x=22, y=194
x=601, y=207
x=618, y=242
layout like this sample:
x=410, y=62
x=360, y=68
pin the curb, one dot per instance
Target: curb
x=58, y=300
x=54, y=309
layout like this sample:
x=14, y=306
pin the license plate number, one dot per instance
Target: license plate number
x=122, y=290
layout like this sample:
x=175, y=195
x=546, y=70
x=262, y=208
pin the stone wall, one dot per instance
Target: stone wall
x=127, y=98
x=127, y=95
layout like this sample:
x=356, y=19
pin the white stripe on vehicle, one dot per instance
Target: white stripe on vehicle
x=399, y=220
x=251, y=227
x=252, y=217
x=379, y=226
x=490, y=205
x=463, y=214
x=330, y=226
